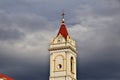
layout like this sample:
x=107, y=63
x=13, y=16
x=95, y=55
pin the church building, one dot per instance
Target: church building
x=63, y=55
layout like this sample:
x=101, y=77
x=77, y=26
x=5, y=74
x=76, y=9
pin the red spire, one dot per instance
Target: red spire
x=63, y=29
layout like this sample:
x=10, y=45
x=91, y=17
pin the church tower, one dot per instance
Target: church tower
x=62, y=55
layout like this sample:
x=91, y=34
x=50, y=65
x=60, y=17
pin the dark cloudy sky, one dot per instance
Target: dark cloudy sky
x=26, y=27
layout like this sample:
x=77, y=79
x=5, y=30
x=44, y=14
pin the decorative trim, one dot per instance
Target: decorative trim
x=63, y=76
x=61, y=48
x=59, y=71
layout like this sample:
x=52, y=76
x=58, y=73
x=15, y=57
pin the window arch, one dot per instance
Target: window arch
x=59, y=63
x=72, y=64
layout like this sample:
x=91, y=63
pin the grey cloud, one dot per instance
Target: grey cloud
x=101, y=58
x=98, y=57
x=21, y=66
x=4, y=20
x=8, y=35
x=102, y=63
x=31, y=22
x=22, y=23
x=99, y=53
x=7, y=30
x=14, y=6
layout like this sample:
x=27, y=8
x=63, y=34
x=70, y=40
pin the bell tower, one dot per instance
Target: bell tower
x=62, y=55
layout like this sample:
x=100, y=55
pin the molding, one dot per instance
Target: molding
x=59, y=71
x=63, y=76
x=61, y=48
x=57, y=76
x=59, y=55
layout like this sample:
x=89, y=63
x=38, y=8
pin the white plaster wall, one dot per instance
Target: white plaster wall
x=66, y=54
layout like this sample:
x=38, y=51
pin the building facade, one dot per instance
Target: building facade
x=63, y=55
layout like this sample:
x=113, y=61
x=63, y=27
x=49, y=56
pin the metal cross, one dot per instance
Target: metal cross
x=63, y=15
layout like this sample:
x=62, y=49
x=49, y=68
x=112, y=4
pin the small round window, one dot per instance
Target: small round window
x=59, y=39
x=59, y=66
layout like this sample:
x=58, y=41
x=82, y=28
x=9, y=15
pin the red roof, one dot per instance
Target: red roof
x=63, y=30
x=6, y=77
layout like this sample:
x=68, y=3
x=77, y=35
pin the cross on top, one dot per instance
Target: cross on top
x=63, y=15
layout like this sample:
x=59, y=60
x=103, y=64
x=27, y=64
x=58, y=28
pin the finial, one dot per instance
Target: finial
x=63, y=17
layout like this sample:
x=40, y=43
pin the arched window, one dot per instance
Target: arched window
x=59, y=63
x=72, y=64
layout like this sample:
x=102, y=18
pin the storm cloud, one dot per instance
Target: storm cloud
x=26, y=27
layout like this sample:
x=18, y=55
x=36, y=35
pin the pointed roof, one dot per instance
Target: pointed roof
x=2, y=76
x=63, y=30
